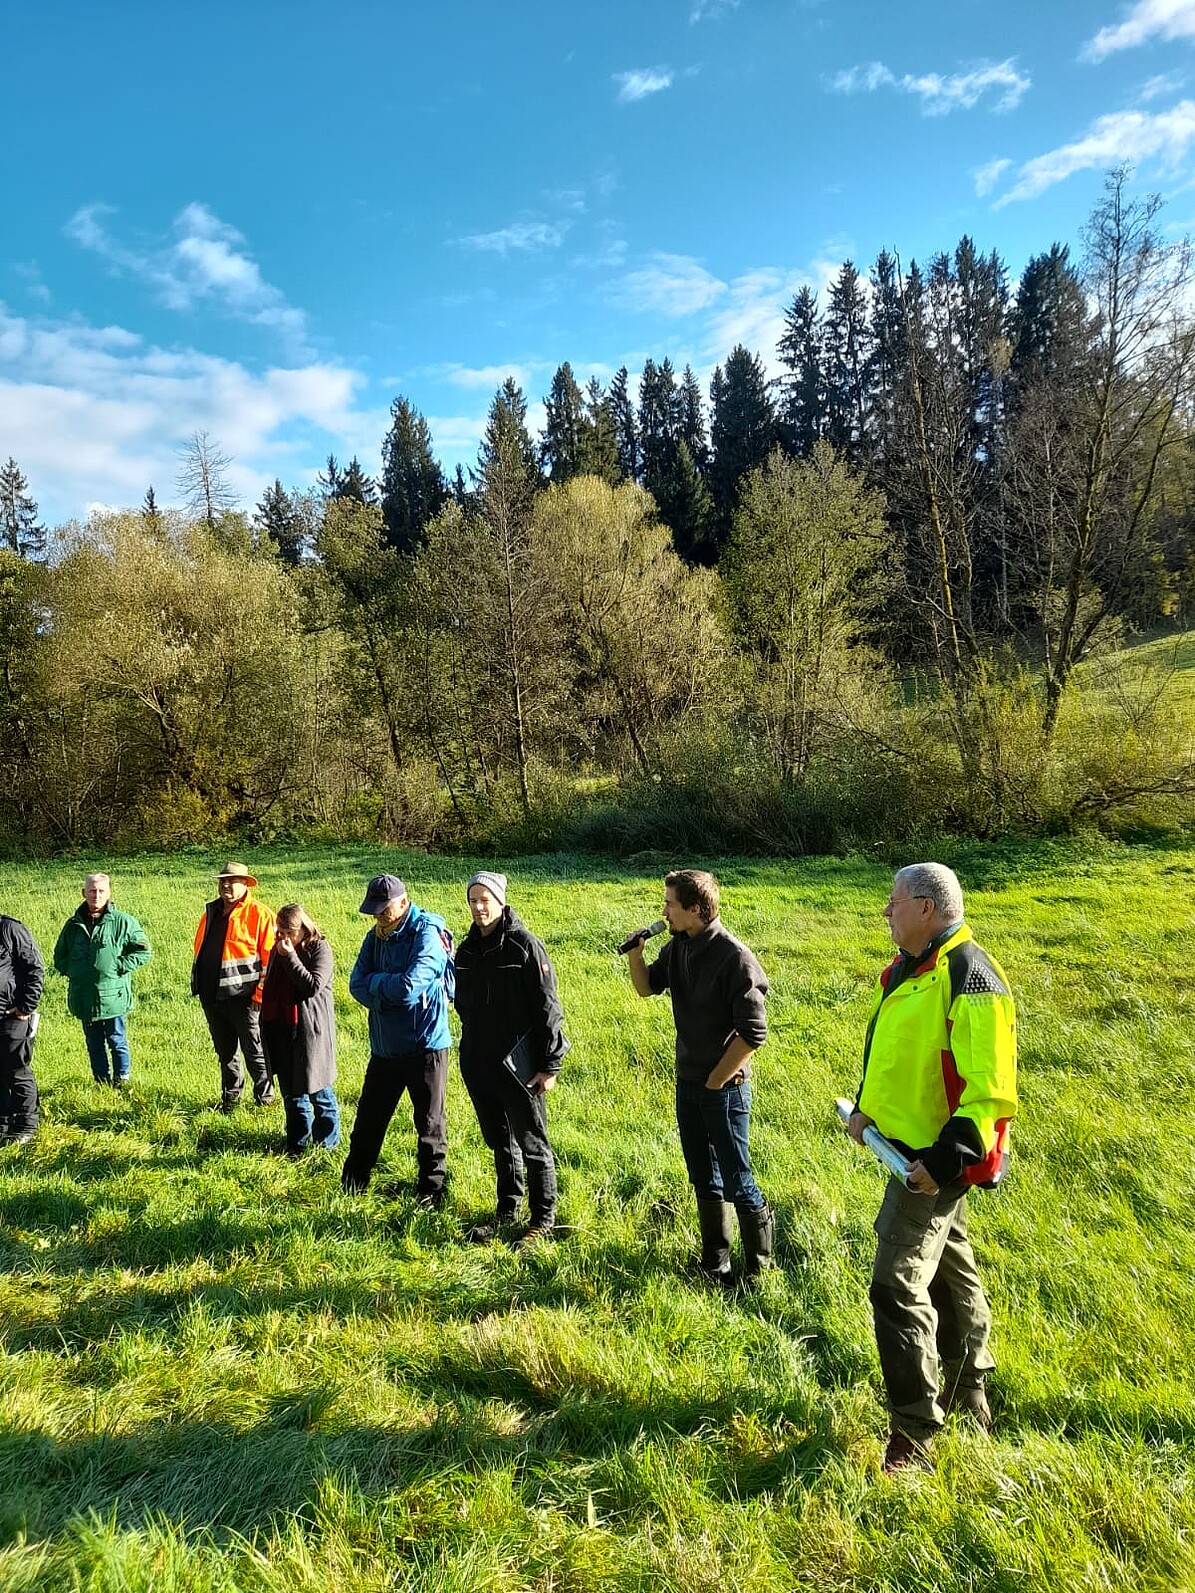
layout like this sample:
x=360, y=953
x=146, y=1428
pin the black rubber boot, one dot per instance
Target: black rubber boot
x=713, y=1218
x=756, y=1229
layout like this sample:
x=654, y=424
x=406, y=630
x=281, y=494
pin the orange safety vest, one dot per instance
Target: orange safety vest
x=248, y=941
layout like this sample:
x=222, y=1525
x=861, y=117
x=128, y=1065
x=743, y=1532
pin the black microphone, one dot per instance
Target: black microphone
x=641, y=935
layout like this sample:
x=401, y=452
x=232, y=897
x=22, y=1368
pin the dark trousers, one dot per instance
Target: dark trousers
x=232, y=1023
x=515, y=1127
x=423, y=1074
x=929, y=1305
x=18, y=1087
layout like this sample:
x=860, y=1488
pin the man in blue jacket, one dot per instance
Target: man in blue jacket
x=401, y=977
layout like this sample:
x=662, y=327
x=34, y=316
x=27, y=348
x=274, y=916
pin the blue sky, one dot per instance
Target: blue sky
x=266, y=220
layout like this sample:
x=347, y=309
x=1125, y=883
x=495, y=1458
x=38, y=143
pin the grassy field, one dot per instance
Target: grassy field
x=220, y=1373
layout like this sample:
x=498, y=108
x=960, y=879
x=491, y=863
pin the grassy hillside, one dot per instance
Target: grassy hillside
x=220, y=1373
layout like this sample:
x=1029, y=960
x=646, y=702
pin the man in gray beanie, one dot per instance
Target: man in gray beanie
x=512, y=1045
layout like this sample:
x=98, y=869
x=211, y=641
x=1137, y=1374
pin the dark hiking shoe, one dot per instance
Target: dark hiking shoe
x=265, y=1100
x=430, y=1202
x=904, y=1453
x=23, y=1136
x=972, y=1402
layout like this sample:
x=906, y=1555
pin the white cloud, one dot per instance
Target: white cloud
x=487, y=377
x=1125, y=136
x=206, y=262
x=987, y=176
x=637, y=85
x=672, y=285
x=710, y=10
x=747, y=309
x=94, y=414
x=519, y=237
x=940, y=95
x=1148, y=19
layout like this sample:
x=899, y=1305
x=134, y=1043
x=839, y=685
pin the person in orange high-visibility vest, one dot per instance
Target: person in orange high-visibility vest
x=940, y=1082
x=232, y=949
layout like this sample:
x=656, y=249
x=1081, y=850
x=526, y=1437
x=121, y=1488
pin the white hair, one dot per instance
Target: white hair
x=938, y=884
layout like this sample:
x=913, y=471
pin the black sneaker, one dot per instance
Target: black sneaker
x=23, y=1136
x=430, y=1202
x=120, y=1084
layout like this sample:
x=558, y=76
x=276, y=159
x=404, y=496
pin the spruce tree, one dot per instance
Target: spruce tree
x=560, y=447
x=742, y=433
x=802, y=417
x=150, y=512
x=846, y=359
x=691, y=424
x=19, y=528
x=599, y=439
x=281, y=522
x=623, y=411
x=413, y=486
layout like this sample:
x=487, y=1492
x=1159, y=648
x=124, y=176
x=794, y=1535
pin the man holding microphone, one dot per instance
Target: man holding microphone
x=718, y=989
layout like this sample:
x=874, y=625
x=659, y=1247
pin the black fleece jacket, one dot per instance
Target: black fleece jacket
x=505, y=989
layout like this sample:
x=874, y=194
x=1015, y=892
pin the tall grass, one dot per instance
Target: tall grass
x=221, y=1373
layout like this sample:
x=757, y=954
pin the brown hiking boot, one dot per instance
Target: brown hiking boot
x=903, y=1452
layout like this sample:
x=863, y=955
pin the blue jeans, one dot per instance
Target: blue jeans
x=105, y=1035
x=312, y=1120
x=713, y=1137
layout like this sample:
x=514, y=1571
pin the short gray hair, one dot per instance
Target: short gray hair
x=936, y=882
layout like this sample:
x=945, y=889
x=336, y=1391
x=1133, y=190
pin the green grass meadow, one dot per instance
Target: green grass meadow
x=220, y=1373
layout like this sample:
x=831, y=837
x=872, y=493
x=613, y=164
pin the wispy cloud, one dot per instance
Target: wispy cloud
x=710, y=10
x=673, y=285
x=521, y=237
x=30, y=274
x=487, y=377
x=987, y=176
x=637, y=85
x=206, y=262
x=1125, y=136
x=747, y=309
x=1148, y=19
x=939, y=95
x=1162, y=83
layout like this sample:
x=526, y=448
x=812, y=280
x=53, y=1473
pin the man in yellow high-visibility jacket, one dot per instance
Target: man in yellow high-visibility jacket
x=939, y=1081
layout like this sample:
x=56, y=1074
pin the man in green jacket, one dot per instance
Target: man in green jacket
x=97, y=951
x=940, y=1082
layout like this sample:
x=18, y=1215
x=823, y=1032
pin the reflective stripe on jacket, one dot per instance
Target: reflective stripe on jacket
x=940, y=1060
x=248, y=937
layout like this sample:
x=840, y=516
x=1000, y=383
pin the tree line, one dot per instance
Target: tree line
x=865, y=598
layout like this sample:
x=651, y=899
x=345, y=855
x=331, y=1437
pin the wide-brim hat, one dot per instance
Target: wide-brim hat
x=236, y=871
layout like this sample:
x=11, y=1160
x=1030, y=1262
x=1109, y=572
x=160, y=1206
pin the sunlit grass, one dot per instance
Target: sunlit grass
x=222, y=1374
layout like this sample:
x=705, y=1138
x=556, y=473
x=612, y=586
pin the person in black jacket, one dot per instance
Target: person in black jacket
x=507, y=1002
x=298, y=1031
x=22, y=976
x=718, y=992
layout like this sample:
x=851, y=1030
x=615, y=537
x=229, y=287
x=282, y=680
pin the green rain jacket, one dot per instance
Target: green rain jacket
x=97, y=959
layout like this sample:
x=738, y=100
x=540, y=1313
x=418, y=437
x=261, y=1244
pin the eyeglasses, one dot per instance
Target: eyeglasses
x=898, y=901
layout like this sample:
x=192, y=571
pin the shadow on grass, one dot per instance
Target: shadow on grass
x=220, y=1479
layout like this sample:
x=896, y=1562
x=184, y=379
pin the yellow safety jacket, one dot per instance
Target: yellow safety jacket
x=940, y=1060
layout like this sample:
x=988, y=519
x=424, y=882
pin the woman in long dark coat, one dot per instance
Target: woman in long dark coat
x=298, y=1031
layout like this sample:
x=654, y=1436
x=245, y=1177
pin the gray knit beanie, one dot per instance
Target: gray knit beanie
x=494, y=883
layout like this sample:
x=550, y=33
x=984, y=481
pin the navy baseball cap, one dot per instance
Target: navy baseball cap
x=381, y=889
